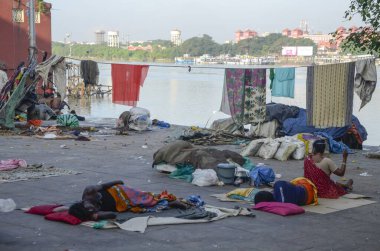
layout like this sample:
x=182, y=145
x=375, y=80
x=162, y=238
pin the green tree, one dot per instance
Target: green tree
x=367, y=37
x=197, y=46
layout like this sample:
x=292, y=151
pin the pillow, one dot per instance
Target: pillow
x=63, y=217
x=42, y=210
x=279, y=208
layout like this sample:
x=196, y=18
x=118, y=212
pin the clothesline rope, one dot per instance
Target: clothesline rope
x=210, y=67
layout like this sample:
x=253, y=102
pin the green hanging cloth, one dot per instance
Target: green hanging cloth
x=271, y=77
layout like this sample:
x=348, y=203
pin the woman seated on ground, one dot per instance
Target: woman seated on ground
x=299, y=191
x=319, y=168
x=101, y=201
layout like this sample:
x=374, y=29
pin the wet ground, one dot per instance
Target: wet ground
x=109, y=157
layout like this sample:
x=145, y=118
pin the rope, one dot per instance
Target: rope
x=192, y=67
x=213, y=67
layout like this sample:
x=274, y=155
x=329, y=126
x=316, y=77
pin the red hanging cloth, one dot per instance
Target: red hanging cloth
x=126, y=82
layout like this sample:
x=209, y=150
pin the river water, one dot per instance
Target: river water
x=180, y=97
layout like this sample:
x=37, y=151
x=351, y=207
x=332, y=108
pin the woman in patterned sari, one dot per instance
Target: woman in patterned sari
x=319, y=168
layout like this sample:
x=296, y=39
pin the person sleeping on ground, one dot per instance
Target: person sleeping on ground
x=103, y=201
x=299, y=191
x=318, y=169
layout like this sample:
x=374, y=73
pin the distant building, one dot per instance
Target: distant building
x=265, y=34
x=286, y=32
x=241, y=35
x=296, y=33
x=317, y=38
x=341, y=30
x=304, y=26
x=113, y=39
x=14, y=31
x=140, y=48
x=325, y=47
x=175, y=37
x=100, y=37
x=342, y=33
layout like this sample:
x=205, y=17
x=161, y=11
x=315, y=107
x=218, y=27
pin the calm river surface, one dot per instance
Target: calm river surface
x=180, y=97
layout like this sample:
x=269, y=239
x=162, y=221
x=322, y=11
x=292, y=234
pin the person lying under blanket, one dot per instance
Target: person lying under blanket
x=299, y=191
x=101, y=202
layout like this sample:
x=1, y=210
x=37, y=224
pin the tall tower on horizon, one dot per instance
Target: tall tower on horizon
x=175, y=37
x=113, y=39
x=304, y=26
x=100, y=37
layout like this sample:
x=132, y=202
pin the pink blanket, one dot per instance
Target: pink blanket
x=12, y=164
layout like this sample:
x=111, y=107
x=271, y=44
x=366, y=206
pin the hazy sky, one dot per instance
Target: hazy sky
x=153, y=19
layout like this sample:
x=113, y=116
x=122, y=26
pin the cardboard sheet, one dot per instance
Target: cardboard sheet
x=347, y=201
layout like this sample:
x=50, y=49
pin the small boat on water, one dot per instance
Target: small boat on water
x=184, y=60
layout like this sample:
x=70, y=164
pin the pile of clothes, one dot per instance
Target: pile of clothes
x=283, y=120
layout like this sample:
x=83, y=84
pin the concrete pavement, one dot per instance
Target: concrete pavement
x=123, y=157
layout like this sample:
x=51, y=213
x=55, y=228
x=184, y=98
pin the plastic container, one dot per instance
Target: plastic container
x=226, y=173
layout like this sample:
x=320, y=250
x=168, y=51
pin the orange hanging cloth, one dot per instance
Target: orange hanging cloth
x=126, y=82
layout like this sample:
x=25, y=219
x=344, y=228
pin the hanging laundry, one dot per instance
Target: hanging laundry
x=45, y=67
x=244, y=95
x=283, y=82
x=271, y=78
x=365, y=80
x=126, y=82
x=329, y=95
x=89, y=71
x=59, y=77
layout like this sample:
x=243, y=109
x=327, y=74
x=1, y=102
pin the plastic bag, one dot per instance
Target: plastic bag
x=269, y=149
x=262, y=175
x=253, y=147
x=195, y=200
x=183, y=172
x=285, y=150
x=140, y=119
x=7, y=205
x=205, y=177
x=299, y=153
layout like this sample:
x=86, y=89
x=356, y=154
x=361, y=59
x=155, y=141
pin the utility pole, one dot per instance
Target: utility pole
x=32, y=31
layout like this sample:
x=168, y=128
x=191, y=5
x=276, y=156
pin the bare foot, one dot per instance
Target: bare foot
x=349, y=184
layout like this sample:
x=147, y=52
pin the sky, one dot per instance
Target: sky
x=153, y=19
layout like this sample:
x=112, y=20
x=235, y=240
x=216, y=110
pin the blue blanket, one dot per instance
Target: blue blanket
x=293, y=126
